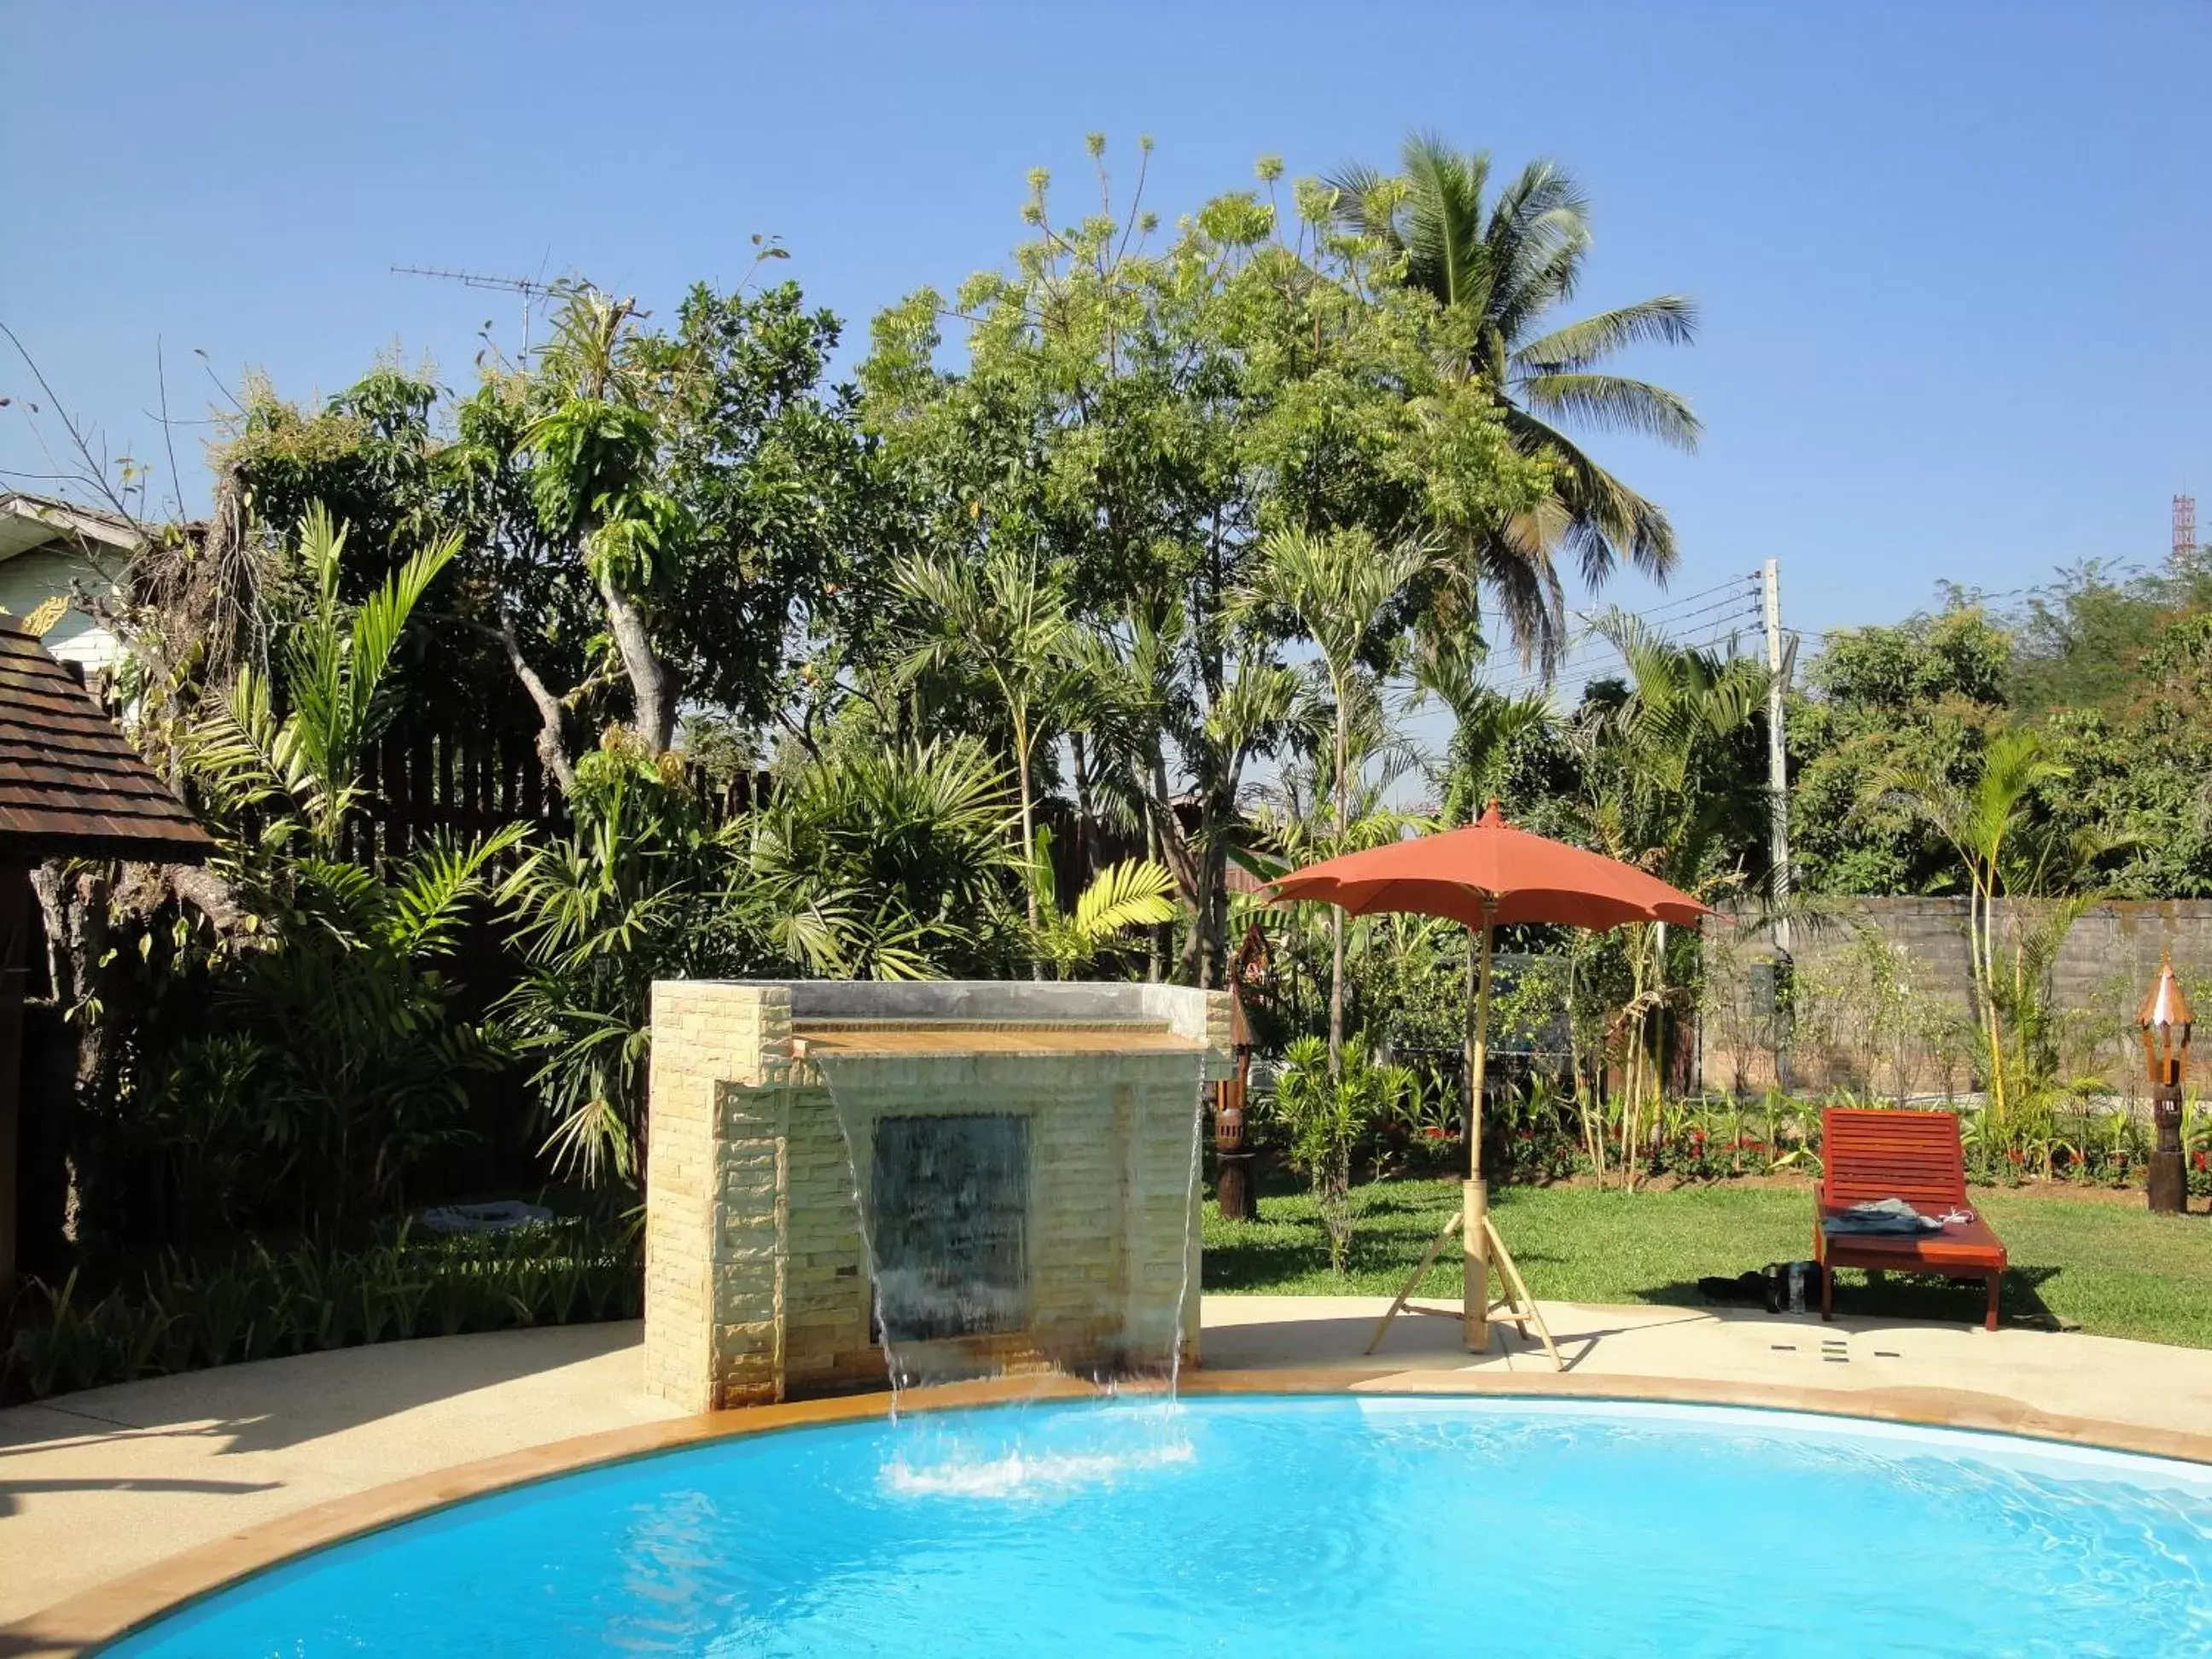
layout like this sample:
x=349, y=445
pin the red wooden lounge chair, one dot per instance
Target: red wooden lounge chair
x=1868, y=1155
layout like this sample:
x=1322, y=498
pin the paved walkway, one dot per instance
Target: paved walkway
x=101, y=1484
x=2144, y=1385
x=96, y=1484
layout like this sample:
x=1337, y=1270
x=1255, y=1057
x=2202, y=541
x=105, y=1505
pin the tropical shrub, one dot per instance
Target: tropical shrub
x=337, y=1062
x=1326, y=1116
x=185, y=1313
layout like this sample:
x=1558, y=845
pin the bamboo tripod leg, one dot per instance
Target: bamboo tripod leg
x=1517, y=1292
x=1407, y=1290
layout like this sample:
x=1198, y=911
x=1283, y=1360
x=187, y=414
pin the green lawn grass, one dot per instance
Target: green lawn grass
x=2113, y=1269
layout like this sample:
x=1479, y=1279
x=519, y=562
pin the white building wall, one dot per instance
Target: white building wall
x=30, y=579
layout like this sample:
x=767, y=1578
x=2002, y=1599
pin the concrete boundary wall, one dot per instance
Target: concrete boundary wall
x=2107, y=963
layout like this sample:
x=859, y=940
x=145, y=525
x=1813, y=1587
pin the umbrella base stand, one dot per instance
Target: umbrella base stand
x=1518, y=1308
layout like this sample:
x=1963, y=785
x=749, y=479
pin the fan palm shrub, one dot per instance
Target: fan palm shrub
x=868, y=863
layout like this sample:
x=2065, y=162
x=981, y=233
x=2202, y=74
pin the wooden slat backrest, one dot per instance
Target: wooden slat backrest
x=1867, y=1155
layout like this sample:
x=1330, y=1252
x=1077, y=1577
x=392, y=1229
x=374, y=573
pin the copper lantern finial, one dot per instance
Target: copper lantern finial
x=2165, y=1020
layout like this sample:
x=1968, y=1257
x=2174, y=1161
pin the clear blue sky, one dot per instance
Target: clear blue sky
x=1953, y=259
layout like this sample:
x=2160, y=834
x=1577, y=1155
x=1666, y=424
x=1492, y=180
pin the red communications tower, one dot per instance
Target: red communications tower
x=2185, y=528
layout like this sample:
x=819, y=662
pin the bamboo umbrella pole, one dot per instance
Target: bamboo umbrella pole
x=1475, y=1231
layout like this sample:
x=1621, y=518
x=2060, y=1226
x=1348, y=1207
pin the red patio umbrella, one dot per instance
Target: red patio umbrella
x=1487, y=873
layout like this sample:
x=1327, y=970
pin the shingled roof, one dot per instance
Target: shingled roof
x=70, y=783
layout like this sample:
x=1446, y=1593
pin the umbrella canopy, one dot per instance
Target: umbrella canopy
x=1491, y=872
x=1481, y=876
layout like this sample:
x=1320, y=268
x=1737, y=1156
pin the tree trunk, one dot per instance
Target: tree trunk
x=1982, y=933
x=1077, y=751
x=1029, y=840
x=1155, y=956
x=74, y=911
x=552, y=744
x=1336, y=912
x=653, y=683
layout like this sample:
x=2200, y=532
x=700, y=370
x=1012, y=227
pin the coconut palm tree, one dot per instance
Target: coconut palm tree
x=1499, y=266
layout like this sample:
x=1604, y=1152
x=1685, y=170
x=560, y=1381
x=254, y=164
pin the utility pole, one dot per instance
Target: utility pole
x=1778, y=806
x=1777, y=759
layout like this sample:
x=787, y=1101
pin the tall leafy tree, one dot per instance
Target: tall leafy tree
x=1924, y=693
x=650, y=519
x=1499, y=265
x=1145, y=415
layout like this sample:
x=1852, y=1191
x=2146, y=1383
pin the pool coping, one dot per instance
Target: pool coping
x=84, y=1623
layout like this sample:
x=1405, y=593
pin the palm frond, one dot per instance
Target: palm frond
x=1444, y=240
x=1668, y=320
x=1602, y=520
x=1360, y=203
x=1135, y=893
x=1613, y=403
x=429, y=891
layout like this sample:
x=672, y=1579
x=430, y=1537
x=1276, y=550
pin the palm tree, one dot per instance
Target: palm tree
x=1497, y=267
x=338, y=674
x=1981, y=820
x=1006, y=617
x=1647, y=758
x=344, y=1009
x=1340, y=589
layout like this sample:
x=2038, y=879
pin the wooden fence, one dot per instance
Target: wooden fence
x=424, y=784
x=429, y=783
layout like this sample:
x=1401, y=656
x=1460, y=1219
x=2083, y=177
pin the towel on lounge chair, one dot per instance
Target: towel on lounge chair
x=1887, y=1215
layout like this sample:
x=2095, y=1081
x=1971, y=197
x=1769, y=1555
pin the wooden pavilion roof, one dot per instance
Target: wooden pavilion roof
x=70, y=783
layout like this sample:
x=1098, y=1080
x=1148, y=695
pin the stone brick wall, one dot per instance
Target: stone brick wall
x=708, y=1291
x=758, y=1281
x=2108, y=961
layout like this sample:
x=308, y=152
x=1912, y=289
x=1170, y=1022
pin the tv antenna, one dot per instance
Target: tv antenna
x=530, y=290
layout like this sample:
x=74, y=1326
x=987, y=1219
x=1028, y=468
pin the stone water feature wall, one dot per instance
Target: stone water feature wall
x=1074, y=1105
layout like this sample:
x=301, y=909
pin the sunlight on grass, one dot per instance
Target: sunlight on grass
x=2113, y=1269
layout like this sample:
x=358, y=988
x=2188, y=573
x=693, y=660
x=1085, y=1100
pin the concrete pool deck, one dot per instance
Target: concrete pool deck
x=213, y=1471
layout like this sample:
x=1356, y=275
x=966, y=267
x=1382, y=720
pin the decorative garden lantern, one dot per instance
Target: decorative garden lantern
x=2165, y=1023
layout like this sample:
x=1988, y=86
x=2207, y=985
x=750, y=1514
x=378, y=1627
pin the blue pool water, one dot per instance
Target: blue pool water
x=1274, y=1527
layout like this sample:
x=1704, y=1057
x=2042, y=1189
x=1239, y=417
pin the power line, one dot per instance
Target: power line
x=1703, y=621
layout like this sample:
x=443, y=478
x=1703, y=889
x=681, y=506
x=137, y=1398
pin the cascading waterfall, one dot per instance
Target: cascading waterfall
x=800, y=1055
x=1011, y=1157
x=1190, y=1221
x=940, y=1457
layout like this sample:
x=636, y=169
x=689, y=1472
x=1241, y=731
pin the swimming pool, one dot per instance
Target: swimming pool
x=1276, y=1526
